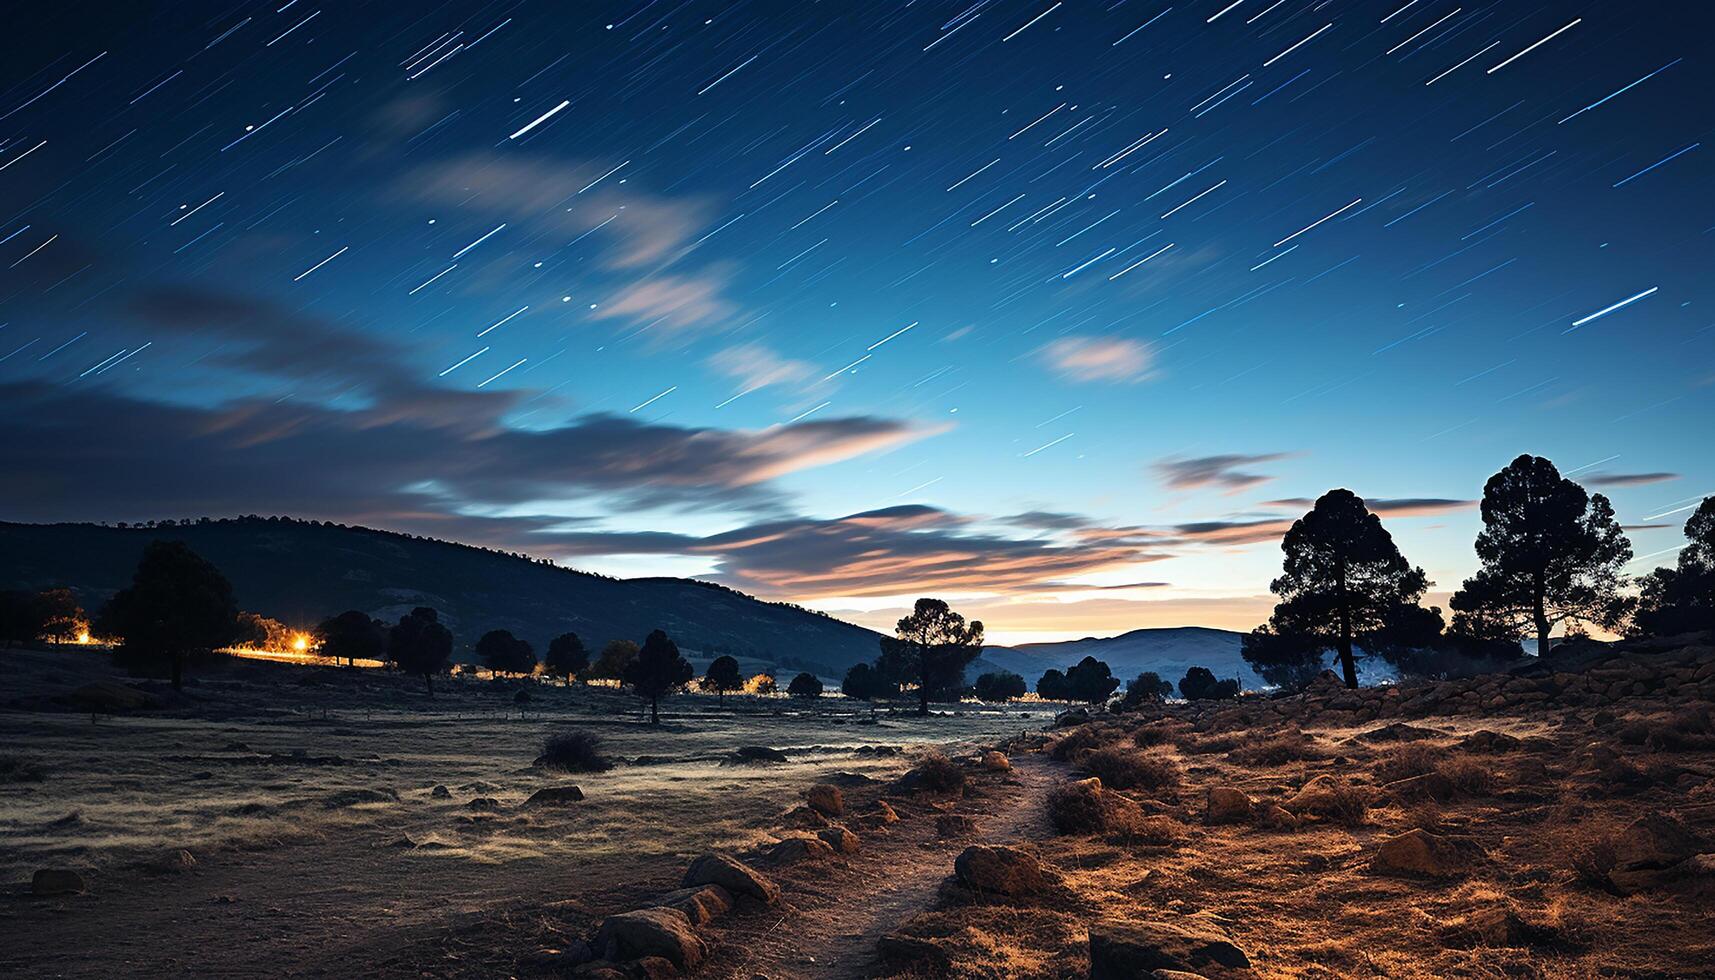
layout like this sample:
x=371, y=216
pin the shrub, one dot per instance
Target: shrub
x=1407, y=761
x=1084, y=738
x=1291, y=746
x=1122, y=768
x=573, y=751
x=938, y=774
x=1468, y=776
x=1347, y=804
x=1082, y=807
x=21, y=769
x=1687, y=731
x=1146, y=736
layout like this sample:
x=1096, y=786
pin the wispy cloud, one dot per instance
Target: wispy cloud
x=1224, y=472
x=1093, y=359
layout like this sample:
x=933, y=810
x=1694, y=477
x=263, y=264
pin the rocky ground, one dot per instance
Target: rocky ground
x=1553, y=821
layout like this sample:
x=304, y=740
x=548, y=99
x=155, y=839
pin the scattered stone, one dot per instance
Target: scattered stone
x=555, y=796
x=1488, y=742
x=928, y=956
x=1132, y=950
x=57, y=881
x=1419, y=853
x=654, y=968
x=1076, y=716
x=840, y=839
x=954, y=825
x=355, y=797
x=995, y=761
x=1275, y=817
x=1397, y=732
x=1003, y=870
x=733, y=875
x=440, y=792
x=804, y=818
x=1651, y=852
x=1426, y=786
x=757, y=754
x=662, y=932
x=1500, y=926
x=826, y=799
x=172, y=862
x=851, y=779
x=795, y=849
x=699, y=903
x=483, y=803
x=1227, y=805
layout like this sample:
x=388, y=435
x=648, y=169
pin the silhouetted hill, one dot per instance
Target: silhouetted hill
x=1168, y=652
x=301, y=572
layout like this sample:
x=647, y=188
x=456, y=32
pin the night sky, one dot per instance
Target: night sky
x=1060, y=310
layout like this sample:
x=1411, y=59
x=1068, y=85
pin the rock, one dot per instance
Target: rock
x=851, y=779
x=1318, y=796
x=600, y=970
x=1076, y=716
x=1488, y=742
x=1651, y=852
x=949, y=825
x=840, y=839
x=440, y=792
x=57, y=881
x=1398, y=732
x=733, y=875
x=1227, y=805
x=795, y=849
x=483, y=803
x=1501, y=927
x=654, y=968
x=1426, y=786
x=1275, y=817
x=757, y=753
x=662, y=932
x=110, y=697
x=826, y=799
x=995, y=761
x=172, y=862
x=1132, y=950
x=555, y=796
x=804, y=818
x=353, y=797
x=1419, y=853
x=927, y=956
x=1002, y=870
x=699, y=903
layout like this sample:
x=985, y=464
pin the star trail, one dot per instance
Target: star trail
x=632, y=284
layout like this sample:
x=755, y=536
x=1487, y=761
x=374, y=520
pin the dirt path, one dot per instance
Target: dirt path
x=831, y=921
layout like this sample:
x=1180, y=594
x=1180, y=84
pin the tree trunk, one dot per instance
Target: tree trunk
x=178, y=672
x=429, y=682
x=654, y=711
x=1347, y=665
x=1540, y=617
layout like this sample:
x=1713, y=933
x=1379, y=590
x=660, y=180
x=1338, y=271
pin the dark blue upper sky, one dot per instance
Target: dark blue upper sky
x=1061, y=308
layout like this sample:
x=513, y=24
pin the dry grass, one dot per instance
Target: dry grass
x=1123, y=768
x=1415, y=759
x=21, y=769
x=574, y=751
x=1279, y=750
x=937, y=774
x=1084, y=738
x=1085, y=808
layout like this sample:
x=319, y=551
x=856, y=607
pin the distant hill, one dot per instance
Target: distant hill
x=301, y=572
x=1168, y=652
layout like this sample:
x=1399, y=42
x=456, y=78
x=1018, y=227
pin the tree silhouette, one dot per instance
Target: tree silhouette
x=60, y=616
x=805, y=685
x=177, y=607
x=863, y=683
x=419, y=644
x=1344, y=583
x=723, y=676
x=658, y=670
x=566, y=657
x=1289, y=662
x=1052, y=685
x=353, y=634
x=1145, y=687
x=1681, y=599
x=503, y=653
x=1090, y=680
x=932, y=647
x=1000, y=685
x=1550, y=554
x=1200, y=684
x=615, y=659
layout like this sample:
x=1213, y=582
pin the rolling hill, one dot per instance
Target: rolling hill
x=1168, y=652
x=301, y=572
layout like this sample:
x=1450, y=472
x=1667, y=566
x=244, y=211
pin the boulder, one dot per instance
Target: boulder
x=795, y=849
x=440, y=792
x=1324, y=795
x=57, y=881
x=555, y=796
x=1651, y=852
x=699, y=903
x=757, y=753
x=1075, y=716
x=826, y=799
x=994, y=761
x=840, y=839
x=1397, y=732
x=653, y=968
x=732, y=874
x=1488, y=742
x=1227, y=805
x=1135, y=949
x=1419, y=853
x=662, y=932
x=804, y=818
x=1275, y=817
x=1007, y=871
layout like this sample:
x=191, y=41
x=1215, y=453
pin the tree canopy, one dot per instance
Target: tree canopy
x=1145, y=687
x=566, y=657
x=1551, y=554
x=1200, y=684
x=723, y=676
x=52, y=614
x=1681, y=599
x=1051, y=686
x=1344, y=585
x=419, y=644
x=352, y=635
x=658, y=670
x=1000, y=685
x=614, y=660
x=504, y=653
x=177, y=607
x=805, y=685
x=932, y=647
x=862, y=683
x=1090, y=680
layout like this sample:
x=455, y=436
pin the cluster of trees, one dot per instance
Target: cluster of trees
x=1551, y=557
x=51, y=614
x=929, y=652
